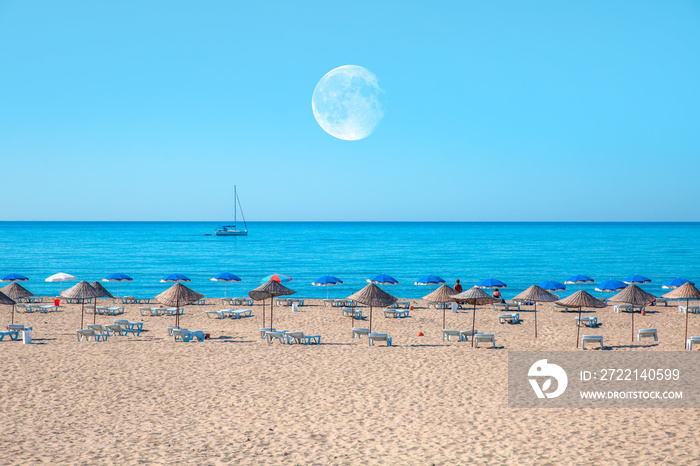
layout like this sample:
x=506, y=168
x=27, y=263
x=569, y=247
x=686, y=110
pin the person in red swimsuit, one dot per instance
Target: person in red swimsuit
x=458, y=287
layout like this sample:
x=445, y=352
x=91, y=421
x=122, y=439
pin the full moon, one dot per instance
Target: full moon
x=348, y=102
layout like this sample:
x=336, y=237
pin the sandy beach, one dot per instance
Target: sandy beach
x=235, y=399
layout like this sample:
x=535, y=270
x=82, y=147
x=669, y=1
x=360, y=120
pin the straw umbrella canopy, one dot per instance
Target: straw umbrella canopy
x=4, y=299
x=373, y=296
x=15, y=291
x=103, y=293
x=537, y=294
x=81, y=291
x=474, y=295
x=270, y=289
x=635, y=296
x=443, y=295
x=581, y=299
x=178, y=295
x=687, y=291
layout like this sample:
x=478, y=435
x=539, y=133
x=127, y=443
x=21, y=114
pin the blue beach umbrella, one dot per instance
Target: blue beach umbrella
x=637, y=279
x=491, y=283
x=117, y=277
x=14, y=277
x=327, y=280
x=174, y=277
x=383, y=279
x=225, y=277
x=278, y=277
x=578, y=279
x=674, y=283
x=611, y=285
x=551, y=285
x=429, y=280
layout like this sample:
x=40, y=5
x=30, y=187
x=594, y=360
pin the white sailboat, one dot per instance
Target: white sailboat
x=232, y=230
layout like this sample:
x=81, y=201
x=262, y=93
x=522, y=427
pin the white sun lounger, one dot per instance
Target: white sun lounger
x=302, y=338
x=512, y=318
x=377, y=337
x=647, y=332
x=220, y=314
x=560, y=308
x=448, y=334
x=484, y=338
x=358, y=332
x=591, y=339
x=692, y=341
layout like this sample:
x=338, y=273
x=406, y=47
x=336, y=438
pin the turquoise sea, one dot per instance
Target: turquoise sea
x=520, y=254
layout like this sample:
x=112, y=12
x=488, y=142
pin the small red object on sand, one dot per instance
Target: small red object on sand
x=57, y=301
x=206, y=336
x=410, y=308
x=420, y=334
x=644, y=312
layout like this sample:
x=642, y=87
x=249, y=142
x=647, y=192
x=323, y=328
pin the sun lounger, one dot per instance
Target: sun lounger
x=34, y=299
x=484, y=338
x=378, y=337
x=97, y=328
x=241, y=313
x=78, y=300
x=220, y=314
x=130, y=327
x=171, y=329
x=660, y=301
x=263, y=331
x=560, y=308
x=182, y=334
x=591, y=339
x=129, y=300
x=200, y=302
x=115, y=329
x=145, y=311
x=587, y=321
x=691, y=309
x=647, y=332
x=18, y=327
x=389, y=313
x=465, y=334
x=358, y=332
x=692, y=341
x=512, y=318
x=302, y=338
x=19, y=307
x=171, y=311
x=240, y=301
x=88, y=334
x=404, y=304
x=279, y=335
x=627, y=308
x=501, y=307
x=328, y=302
x=46, y=308
x=13, y=334
x=448, y=334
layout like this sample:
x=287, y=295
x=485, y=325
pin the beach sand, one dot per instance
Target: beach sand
x=235, y=399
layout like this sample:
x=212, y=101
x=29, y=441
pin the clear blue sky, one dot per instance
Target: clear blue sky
x=136, y=110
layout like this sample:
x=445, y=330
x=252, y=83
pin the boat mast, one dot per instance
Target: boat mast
x=235, y=197
x=242, y=214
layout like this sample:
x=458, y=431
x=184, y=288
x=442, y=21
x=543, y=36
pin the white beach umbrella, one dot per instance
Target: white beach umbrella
x=61, y=277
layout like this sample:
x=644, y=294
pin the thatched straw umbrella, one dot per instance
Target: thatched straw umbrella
x=4, y=299
x=537, y=294
x=442, y=295
x=581, y=299
x=81, y=291
x=373, y=296
x=688, y=291
x=474, y=296
x=269, y=289
x=103, y=293
x=16, y=292
x=178, y=295
x=635, y=296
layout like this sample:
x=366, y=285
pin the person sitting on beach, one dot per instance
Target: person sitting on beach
x=497, y=295
x=458, y=287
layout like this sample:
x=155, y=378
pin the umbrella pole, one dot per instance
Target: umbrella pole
x=578, y=327
x=82, y=312
x=13, y=316
x=632, y=312
x=444, y=310
x=535, y=319
x=94, y=314
x=685, y=340
x=263, y=313
x=272, y=309
x=473, y=319
x=225, y=290
x=370, y=318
